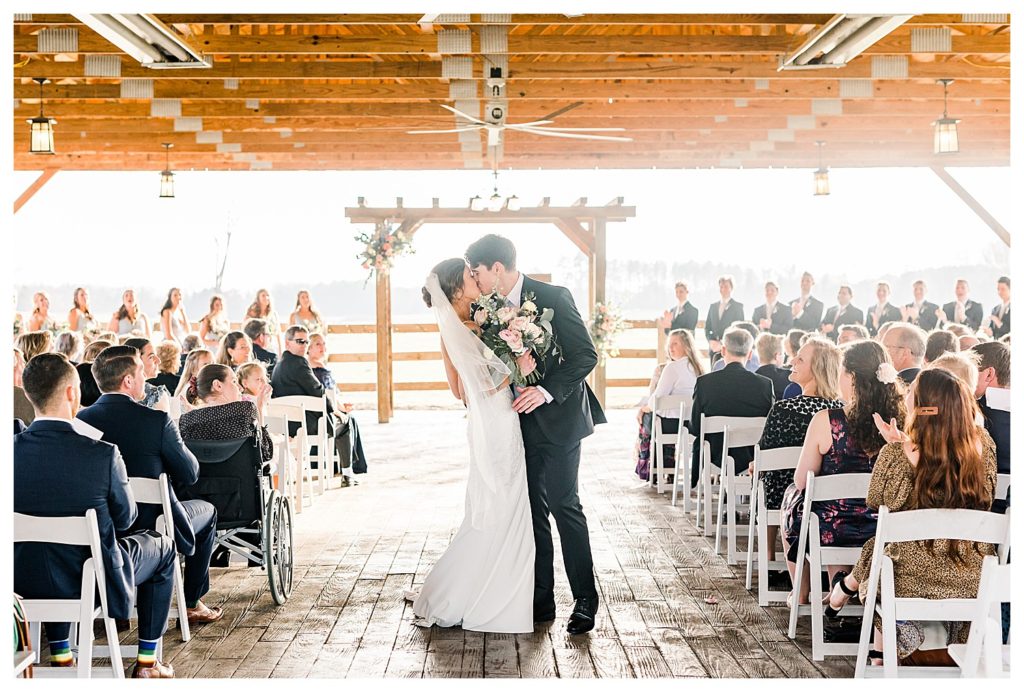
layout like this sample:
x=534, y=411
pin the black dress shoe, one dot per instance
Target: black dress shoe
x=546, y=615
x=582, y=618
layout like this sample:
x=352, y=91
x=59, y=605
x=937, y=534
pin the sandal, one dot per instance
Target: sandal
x=840, y=580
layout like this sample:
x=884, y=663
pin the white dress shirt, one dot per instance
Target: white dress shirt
x=677, y=379
x=79, y=426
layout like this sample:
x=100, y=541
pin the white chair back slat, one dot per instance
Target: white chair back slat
x=658, y=468
x=717, y=424
x=838, y=486
x=957, y=524
x=1002, y=486
x=63, y=530
x=779, y=459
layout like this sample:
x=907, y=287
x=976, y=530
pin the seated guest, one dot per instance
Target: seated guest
x=23, y=410
x=958, y=330
x=80, y=317
x=190, y=343
x=139, y=567
x=224, y=415
x=31, y=344
x=753, y=363
x=186, y=392
x=306, y=314
x=733, y=391
x=348, y=441
x=806, y=309
x=90, y=392
x=883, y=311
x=844, y=440
x=940, y=341
x=999, y=320
x=905, y=344
x=70, y=345
x=943, y=461
x=150, y=444
x=968, y=342
x=214, y=325
x=154, y=396
x=843, y=313
x=40, y=319
x=794, y=340
x=921, y=312
x=129, y=318
x=963, y=365
x=252, y=377
x=683, y=315
x=642, y=448
x=235, y=349
x=773, y=316
x=721, y=316
x=849, y=333
x=769, y=354
x=168, y=355
x=963, y=310
x=256, y=330
x=994, y=376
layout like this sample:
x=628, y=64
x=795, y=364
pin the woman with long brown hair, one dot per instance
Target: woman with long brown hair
x=80, y=317
x=215, y=325
x=129, y=318
x=306, y=314
x=173, y=321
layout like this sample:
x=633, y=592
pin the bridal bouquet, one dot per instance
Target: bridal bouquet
x=510, y=333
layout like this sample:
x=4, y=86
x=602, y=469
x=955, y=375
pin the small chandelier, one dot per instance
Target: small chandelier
x=496, y=202
x=946, y=140
x=820, y=175
x=166, y=176
x=41, y=126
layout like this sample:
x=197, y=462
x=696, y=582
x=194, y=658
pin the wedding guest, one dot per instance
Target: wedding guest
x=844, y=440
x=168, y=355
x=263, y=308
x=154, y=396
x=963, y=365
x=306, y=314
x=235, y=349
x=841, y=314
x=80, y=317
x=129, y=319
x=214, y=325
x=994, y=376
x=189, y=344
x=944, y=460
x=753, y=363
x=999, y=320
x=806, y=309
x=105, y=336
x=31, y=344
x=795, y=338
x=173, y=322
x=721, y=316
x=905, y=345
x=70, y=344
x=186, y=391
x=849, y=333
x=23, y=410
x=883, y=312
x=90, y=390
x=40, y=319
x=963, y=310
x=883, y=330
x=683, y=315
x=958, y=330
x=256, y=330
x=19, y=319
x=642, y=448
x=347, y=441
x=252, y=376
x=968, y=342
x=940, y=341
x=921, y=312
x=769, y=354
x=773, y=316
x=225, y=415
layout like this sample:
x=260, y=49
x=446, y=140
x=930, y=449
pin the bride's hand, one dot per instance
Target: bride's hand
x=526, y=362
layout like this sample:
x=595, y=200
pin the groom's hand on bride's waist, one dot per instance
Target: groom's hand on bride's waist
x=529, y=398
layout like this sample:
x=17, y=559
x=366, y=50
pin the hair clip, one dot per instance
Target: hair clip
x=927, y=411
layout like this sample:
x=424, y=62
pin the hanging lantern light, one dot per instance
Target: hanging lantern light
x=946, y=139
x=166, y=176
x=820, y=175
x=41, y=126
x=513, y=203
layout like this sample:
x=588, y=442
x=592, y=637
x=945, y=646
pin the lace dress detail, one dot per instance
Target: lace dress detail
x=786, y=426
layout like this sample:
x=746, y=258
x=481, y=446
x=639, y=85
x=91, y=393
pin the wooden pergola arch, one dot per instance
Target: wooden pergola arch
x=585, y=226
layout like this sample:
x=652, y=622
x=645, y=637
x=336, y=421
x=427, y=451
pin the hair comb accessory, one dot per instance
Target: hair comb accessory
x=886, y=373
x=927, y=410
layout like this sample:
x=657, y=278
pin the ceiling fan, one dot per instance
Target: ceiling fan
x=497, y=124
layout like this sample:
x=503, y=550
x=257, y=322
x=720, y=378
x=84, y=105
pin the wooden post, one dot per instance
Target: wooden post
x=385, y=402
x=599, y=266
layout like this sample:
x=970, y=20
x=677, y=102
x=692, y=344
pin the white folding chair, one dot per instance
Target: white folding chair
x=705, y=484
x=82, y=611
x=920, y=525
x=731, y=487
x=324, y=456
x=684, y=445
x=984, y=655
x=659, y=438
x=295, y=412
x=283, y=459
x=841, y=486
x=174, y=408
x=761, y=518
x=1002, y=486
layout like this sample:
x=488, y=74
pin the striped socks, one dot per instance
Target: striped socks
x=147, y=653
x=60, y=653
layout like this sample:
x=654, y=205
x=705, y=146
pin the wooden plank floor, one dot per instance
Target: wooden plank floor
x=358, y=549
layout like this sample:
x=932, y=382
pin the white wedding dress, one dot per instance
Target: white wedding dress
x=484, y=580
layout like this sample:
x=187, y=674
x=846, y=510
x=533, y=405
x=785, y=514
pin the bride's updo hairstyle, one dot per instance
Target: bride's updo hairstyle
x=450, y=274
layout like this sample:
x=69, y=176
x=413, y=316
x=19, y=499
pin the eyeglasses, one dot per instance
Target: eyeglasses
x=301, y=342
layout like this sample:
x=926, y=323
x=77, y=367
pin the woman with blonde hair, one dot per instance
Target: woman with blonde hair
x=80, y=317
x=129, y=319
x=40, y=319
x=263, y=308
x=186, y=392
x=306, y=314
x=168, y=355
x=215, y=325
x=31, y=344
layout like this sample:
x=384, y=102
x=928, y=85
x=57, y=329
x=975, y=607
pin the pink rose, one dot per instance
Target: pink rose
x=506, y=314
x=513, y=338
x=480, y=316
x=519, y=323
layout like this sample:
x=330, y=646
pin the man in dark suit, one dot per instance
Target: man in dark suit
x=769, y=353
x=256, y=330
x=883, y=311
x=963, y=310
x=921, y=312
x=721, y=316
x=732, y=391
x=999, y=320
x=555, y=415
x=62, y=469
x=906, y=345
x=293, y=376
x=150, y=444
x=806, y=309
x=773, y=316
x=994, y=373
x=843, y=313
x=683, y=315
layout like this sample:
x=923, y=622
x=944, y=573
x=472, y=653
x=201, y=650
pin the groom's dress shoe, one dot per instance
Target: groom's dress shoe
x=582, y=618
x=541, y=616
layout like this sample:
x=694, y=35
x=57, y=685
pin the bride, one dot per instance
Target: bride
x=484, y=580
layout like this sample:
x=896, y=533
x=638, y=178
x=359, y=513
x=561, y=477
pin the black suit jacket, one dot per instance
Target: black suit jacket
x=926, y=318
x=731, y=391
x=810, y=319
x=778, y=376
x=293, y=376
x=150, y=444
x=268, y=358
x=714, y=327
x=853, y=315
x=687, y=319
x=909, y=375
x=997, y=422
x=574, y=410
x=781, y=317
x=59, y=473
x=999, y=332
x=973, y=314
x=890, y=313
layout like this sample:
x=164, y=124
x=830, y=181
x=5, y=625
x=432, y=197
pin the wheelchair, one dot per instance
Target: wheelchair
x=253, y=519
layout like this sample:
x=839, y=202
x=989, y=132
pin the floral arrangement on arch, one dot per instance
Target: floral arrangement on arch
x=606, y=323
x=382, y=247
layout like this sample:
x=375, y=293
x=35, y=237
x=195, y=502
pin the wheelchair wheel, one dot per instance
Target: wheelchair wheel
x=277, y=546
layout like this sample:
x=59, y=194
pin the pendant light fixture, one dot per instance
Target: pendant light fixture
x=946, y=139
x=496, y=202
x=820, y=175
x=42, y=126
x=166, y=176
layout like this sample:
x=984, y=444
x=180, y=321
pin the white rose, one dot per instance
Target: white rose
x=530, y=306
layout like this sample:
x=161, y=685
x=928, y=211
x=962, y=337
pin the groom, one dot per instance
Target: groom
x=555, y=415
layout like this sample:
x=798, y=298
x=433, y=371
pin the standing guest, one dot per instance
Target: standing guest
x=90, y=390
x=921, y=312
x=883, y=312
x=999, y=320
x=129, y=319
x=963, y=310
x=993, y=377
x=849, y=333
x=263, y=308
x=773, y=316
x=940, y=341
x=683, y=315
x=168, y=356
x=806, y=309
x=154, y=396
x=733, y=391
x=843, y=313
x=256, y=330
x=80, y=317
x=215, y=325
x=224, y=415
x=31, y=344
x=348, y=442
x=70, y=344
x=235, y=349
x=186, y=391
x=23, y=410
x=150, y=444
x=19, y=319
x=306, y=314
x=844, y=440
x=905, y=345
x=769, y=354
x=721, y=316
x=173, y=322
x=139, y=567
x=40, y=319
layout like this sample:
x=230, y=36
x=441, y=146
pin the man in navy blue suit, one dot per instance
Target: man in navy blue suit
x=151, y=444
x=62, y=469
